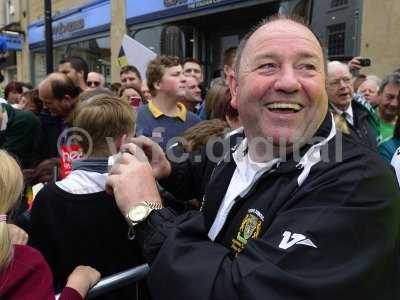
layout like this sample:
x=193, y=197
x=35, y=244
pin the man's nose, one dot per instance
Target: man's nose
x=394, y=103
x=287, y=81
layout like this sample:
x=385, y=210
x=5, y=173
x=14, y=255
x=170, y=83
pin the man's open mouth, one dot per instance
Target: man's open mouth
x=285, y=107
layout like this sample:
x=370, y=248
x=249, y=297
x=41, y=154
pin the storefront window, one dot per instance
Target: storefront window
x=96, y=52
x=168, y=40
x=150, y=37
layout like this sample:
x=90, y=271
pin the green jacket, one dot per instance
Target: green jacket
x=21, y=136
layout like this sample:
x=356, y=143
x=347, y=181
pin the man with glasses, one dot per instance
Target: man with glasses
x=351, y=116
x=95, y=80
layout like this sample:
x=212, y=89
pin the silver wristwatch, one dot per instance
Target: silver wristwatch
x=140, y=211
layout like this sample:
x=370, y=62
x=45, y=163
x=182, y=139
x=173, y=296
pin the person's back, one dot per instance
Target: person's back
x=74, y=221
x=74, y=229
x=24, y=274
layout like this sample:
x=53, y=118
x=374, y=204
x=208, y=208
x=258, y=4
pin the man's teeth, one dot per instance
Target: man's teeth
x=293, y=106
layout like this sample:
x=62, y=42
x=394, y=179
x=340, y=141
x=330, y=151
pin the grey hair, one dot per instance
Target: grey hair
x=393, y=78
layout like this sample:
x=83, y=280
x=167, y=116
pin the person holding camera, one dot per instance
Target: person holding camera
x=283, y=217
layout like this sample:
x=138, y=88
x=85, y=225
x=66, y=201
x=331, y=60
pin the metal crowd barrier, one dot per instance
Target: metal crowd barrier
x=117, y=281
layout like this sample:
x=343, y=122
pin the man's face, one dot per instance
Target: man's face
x=173, y=82
x=93, y=80
x=389, y=101
x=130, y=78
x=280, y=93
x=193, y=91
x=192, y=69
x=145, y=90
x=339, y=86
x=369, y=89
x=68, y=70
x=60, y=108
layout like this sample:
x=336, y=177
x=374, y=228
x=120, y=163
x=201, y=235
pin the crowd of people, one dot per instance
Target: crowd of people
x=272, y=181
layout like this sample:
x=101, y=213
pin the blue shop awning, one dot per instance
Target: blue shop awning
x=9, y=42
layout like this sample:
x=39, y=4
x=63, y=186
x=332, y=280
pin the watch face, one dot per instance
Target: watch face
x=139, y=213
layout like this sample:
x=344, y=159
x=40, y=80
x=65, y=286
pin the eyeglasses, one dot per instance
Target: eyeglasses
x=93, y=83
x=336, y=82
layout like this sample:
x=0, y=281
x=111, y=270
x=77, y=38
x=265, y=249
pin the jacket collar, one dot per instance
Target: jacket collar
x=222, y=173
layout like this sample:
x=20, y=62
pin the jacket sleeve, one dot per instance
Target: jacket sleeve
x=340, y=241
x=70, y=294
x=189, y=175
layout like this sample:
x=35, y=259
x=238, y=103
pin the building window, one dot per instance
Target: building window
x=336, y=3
x=336, y=39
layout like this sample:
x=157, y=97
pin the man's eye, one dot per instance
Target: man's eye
x=308, y=67
x=268, y=66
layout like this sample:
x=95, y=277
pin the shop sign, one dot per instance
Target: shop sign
x=64, y=29
x=8, y=42
x=170, y=3
x=203, y=3
x=74, y=23
x=162, y=8
x=191, y=5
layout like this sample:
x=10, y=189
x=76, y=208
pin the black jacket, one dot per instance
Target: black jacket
x=336, y=236
x=82, y=229
x=361, y=130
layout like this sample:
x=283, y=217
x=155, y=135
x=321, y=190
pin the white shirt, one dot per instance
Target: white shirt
x=246, y=174
x=348, y=113
x=4, y=119
x=83, y=182
x=395, y=162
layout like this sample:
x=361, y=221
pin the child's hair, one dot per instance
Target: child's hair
x=11, y=185
x=103, y=117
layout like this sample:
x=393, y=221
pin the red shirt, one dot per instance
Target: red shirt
x=29, y=277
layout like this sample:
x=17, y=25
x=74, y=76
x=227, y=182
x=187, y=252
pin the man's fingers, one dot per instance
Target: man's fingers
x=136, y=151
x=141, y=141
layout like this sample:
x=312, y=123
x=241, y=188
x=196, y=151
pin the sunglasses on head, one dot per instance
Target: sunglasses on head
x=93, y=83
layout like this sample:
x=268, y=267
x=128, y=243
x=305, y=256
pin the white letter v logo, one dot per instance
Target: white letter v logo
x=290, y=239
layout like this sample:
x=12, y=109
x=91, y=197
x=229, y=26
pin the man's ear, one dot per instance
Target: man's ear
x=157, y=85
x=233, y=86
x=80, y=74
x=68, y=99
x=119, y=141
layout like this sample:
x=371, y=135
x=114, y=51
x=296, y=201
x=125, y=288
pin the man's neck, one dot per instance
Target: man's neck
x=342, y=108
x=167, y=105
x=83, y=86
x=190, y=105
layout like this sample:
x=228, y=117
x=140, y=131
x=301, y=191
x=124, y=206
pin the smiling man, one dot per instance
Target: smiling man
x=357, y=118
x=318, y=223
x=389, y=105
